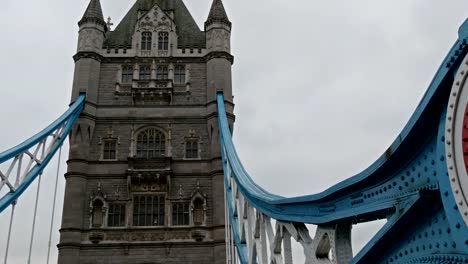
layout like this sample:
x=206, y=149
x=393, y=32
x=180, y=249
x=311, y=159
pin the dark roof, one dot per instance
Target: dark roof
x=217, y=14
x=93, y=13
x=188, y=31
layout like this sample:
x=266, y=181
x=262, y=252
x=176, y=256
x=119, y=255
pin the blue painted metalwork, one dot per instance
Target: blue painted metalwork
x=64, y=124
x=408, y=185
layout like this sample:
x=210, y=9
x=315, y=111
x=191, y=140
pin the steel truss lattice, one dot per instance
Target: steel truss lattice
x=27, y=161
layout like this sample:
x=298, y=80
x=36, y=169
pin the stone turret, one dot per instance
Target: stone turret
x=88, y=58
x=92, y=28
x=86, y=80
x=218, y=44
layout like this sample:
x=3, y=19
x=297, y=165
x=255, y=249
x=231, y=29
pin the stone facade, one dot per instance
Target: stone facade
x=144, y=181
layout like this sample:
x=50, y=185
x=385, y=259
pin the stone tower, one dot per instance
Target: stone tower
x=144, y=182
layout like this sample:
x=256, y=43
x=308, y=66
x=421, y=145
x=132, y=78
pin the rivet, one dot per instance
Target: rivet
x=458, y=83
x=453, y=180
x=454, y=94
x=451, y=105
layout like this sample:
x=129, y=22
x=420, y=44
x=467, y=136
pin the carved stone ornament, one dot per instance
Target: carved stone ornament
x=155, y=20
x=96, y=237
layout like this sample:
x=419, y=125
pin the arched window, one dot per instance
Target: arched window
x=198, y=212
x=163, y=41
x=151, y=144
x=146, y=40
x=98, y=213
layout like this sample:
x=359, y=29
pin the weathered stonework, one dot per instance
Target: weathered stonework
x=169, y=90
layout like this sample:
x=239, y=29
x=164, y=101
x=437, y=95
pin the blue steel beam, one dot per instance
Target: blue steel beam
x=66, y=122
x=396, y=186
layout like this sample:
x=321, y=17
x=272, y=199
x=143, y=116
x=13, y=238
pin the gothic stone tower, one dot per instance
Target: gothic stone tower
x=144, y=181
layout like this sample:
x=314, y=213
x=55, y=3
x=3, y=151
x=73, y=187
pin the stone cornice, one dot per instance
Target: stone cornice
x=219, y=54
x=88, y=55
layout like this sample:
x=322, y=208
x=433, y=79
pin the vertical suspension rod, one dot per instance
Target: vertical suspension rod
x=53, y=205
x=13, y=206
x=34, y=219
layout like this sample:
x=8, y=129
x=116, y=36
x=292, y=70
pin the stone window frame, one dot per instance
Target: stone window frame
x=125, y=221
x=146, y=40
x=192, y=138
x=127, y=70
x=163, y=41
x=180, y=74
x=132, y=209
x=109, y=149
x=147, y=128
x=189, y=206
x=162, y=72
x=92, y=212
x=109, y=138
x=198, y=196
x=144, y=72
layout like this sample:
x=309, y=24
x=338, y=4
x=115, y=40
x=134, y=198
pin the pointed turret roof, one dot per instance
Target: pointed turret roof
x=217, y=14
x=93, y=13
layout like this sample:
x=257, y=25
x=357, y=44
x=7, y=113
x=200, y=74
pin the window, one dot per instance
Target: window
x=198, y=212
x=109, y=150
x=163, y=41
x=146, y=40
x=179, y=74
x=162, y=73
x=180, y=213
x=116, y=215
x=145, y=72
x=127, y=74
x=151, y=144
x=148, y=210
x=191, y=149
x=97, y=213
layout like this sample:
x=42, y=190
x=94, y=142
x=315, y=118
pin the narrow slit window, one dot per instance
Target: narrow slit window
x=198, y=212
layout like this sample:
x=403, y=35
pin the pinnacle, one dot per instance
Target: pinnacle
x=93, y=12
x=217, y=13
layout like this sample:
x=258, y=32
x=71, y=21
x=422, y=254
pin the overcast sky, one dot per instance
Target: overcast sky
x=321, y=88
